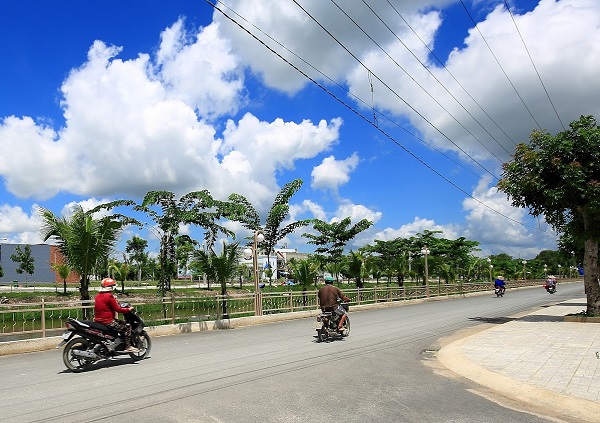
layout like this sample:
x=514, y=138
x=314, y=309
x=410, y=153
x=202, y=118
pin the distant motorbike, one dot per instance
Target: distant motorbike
x=499, y=291
x=550, y=287
x=87, y=342
x=327, y=323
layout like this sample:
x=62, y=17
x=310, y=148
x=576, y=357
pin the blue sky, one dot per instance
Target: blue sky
x=109, y=100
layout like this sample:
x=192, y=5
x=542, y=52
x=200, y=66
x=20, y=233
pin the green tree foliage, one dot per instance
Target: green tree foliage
x=355, y=267
x=63, y=270
x=25, y=259
x=558, y=177
x=333, y=237
x=221, y=266
x=196, y=208
x=120, y=271
x=305, y=272
x=273, y=230
x=84, y=240
x=136, y=248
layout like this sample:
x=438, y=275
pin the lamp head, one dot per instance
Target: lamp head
x=247, y=253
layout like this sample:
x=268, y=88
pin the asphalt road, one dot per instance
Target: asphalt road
x=385, y=371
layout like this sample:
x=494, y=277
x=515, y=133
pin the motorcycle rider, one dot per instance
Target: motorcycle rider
x=328, y=300
x=499, y=283
x=106, y=309
x=551, y=281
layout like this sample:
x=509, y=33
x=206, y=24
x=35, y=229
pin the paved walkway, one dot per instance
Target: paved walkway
x=537, y=359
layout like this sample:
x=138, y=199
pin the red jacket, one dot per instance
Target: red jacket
x=106, y=307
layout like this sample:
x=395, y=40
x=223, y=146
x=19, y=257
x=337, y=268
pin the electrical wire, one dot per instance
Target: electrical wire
x=356, y=112
x=533, y=64
x=358, y=99
x=500, y=65
x=394, y=92
x=450, y=73
x=432, y=75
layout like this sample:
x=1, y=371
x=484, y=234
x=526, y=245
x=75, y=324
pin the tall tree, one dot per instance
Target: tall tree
x=25, y=259
x=84, y=240
x=559, y=177
x=280, y=209
x=333, y=237
x=196, y=208
x=136, y=248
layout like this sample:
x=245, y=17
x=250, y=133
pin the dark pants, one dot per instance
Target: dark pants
x=124, y=328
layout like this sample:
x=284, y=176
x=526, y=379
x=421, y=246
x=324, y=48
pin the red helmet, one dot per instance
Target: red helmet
x=108, y=283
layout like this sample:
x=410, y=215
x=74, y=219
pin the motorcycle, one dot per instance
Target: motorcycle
x=551, y=288
x=327, y=323
x=87, y=342
x=499, y=291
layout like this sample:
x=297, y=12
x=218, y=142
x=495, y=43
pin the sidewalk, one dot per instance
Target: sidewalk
x=538, y=359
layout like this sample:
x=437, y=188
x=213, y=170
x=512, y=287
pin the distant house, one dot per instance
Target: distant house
x=44, y=256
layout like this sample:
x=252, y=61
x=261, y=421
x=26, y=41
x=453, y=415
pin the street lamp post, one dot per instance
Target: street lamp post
x=491, y=266
x=559, y=266
x=258, y=238
x=524, y=273
x=546, y=270
x=425, y=251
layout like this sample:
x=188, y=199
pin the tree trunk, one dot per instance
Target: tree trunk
x=590, y=277
x=590, y=268
x=85, y=296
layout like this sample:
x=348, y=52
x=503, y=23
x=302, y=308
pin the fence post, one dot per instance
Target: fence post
x=291, y=301
x=172, y=309
x=43, y=319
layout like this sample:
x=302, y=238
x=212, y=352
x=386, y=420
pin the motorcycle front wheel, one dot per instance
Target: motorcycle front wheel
x=72, y=361
x=143, y=344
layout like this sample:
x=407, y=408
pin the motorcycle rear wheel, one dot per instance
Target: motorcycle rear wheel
x=143, y=344
x=322, y=335
x=73, y=362
x=346, y=327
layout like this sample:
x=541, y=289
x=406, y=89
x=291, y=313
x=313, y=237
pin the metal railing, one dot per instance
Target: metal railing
x=45, y=318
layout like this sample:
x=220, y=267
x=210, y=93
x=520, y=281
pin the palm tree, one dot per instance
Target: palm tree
x=223, y=267
x=304, y=271
x=120, y=272
x=63, y=270
x=196, y=208
x=355, y=268
x=273, y=231
x=84, y=240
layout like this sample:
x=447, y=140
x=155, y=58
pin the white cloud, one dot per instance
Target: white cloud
x=18, y=226
x=332, y=173
x=503, y=228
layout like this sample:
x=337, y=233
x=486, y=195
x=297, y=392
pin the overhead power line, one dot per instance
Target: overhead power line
x=449, y=73
x=534, y=67
x=356, y=112
x=500, y=65
x=430, y=73
x=393, y=91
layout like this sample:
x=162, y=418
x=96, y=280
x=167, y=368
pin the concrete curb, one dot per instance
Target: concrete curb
x=537, y=398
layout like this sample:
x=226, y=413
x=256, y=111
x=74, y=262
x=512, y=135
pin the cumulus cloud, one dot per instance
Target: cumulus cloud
x=502, y=228
x=146, y=121
x=332, y=173
x=470, y=104
x=18, y=226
